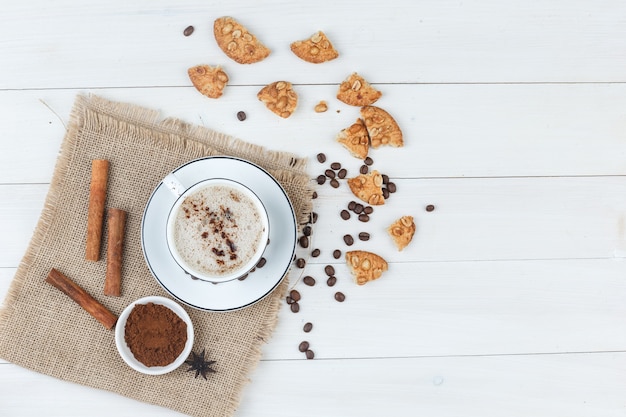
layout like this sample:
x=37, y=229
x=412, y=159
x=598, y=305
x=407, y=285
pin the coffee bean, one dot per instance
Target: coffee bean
x=309, y=354
x=314, y=195
x=339, y=296
x=300, y=263
x=306, y=231
x=309, y=280
x=364, y=236
x=430, y=207
x=331, y=281
x=329, y=173
x=321, y=158
x=345, y=214
x=315, y=253
x=261, y=263
x=307, y=327
x=241, y=115
x=385, y=193
x=243, y=277
x=330, y=270
x=368, y=161
x=295, y=295
x=334, y=183
x=364, y=169
x=313, y=217
x=289, y=300
x=336, y=254
x=188, y=30
x=335, y=166
x=295, y=307
x=358, y=208
x=391, y=187
x=304, y=346
x=351, y=205
x=304, y=241
x=364, y=218
x=348, y=239
x=321, y=179
x=368, y=210
x=385, y=178
x=342, y=173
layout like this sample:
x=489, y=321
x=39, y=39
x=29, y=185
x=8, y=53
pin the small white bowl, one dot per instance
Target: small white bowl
x=128, y=356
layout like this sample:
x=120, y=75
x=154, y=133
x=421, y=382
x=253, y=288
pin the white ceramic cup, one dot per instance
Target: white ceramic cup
x=178, y=189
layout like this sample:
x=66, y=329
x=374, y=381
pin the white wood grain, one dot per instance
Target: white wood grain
x=455, y=308
x=514, y=386
x=70, y=44
x=450, y=131
x=474, y=219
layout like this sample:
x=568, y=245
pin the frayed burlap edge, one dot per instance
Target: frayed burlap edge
x=52, y=197
x=283, y=166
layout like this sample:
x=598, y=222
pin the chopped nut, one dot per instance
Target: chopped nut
x=321, y=107
x=316, y=37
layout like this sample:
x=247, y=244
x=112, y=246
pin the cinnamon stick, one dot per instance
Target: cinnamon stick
x=115, y=246
x=95, y=217
x=82, y=298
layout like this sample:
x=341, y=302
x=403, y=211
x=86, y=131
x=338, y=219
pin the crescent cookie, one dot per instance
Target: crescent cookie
x=355, y=91
x=382, y=128
x=279, y=97
x=365, y=266
x=210, y=81
x=368, y=187
x=316, y=49
x=402, y=231
x=355, y=139
x=236, y=42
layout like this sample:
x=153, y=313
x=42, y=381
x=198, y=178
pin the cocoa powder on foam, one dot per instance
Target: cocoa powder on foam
x=217, y=230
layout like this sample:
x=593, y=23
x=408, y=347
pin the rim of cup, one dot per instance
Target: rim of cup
x=254, y=260
x=125, y=351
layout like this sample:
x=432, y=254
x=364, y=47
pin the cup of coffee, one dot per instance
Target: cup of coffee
x=217, y=229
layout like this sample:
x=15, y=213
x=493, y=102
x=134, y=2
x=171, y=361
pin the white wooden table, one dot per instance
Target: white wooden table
x=510, y=301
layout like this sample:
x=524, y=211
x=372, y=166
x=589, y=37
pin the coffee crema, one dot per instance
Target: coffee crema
x=217, y=230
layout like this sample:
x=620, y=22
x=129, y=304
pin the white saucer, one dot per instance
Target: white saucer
x=230, y=295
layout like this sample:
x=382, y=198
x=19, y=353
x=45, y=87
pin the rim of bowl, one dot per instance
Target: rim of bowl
x=124, y=350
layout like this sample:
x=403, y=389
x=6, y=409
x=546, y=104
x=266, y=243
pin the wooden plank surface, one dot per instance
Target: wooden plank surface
x=70, y=44
x=531, y=385
x=510, y=301
x=450, y=130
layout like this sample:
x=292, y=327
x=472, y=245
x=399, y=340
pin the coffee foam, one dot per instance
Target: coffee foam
x=217, y=230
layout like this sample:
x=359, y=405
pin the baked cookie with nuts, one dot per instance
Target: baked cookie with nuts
x=279, y=97
x=365, y=266
x=210, y=81
x=355, y=139
x=381, y=127
x=355, y=91
x=237, y=43
x=368, y=187
x=402, y=231
x=316, y=49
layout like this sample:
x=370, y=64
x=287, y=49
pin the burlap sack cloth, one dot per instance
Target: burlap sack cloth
x=43, y=330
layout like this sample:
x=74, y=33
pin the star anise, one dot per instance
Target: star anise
x=199, y=364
